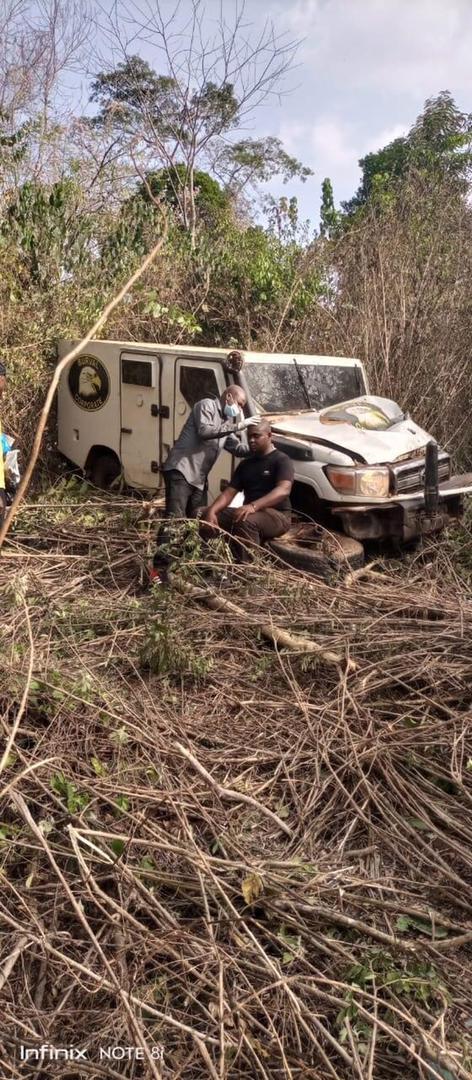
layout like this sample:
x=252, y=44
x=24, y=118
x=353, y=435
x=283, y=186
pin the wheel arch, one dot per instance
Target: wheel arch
x=102, y=465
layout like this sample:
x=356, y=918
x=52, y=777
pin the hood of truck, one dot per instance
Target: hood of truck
x=401, y=439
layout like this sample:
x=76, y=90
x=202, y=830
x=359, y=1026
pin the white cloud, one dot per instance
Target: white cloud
x=366, y=69
x=331, y=142
x=333, y=148
x=402, y=47
x=384, y=137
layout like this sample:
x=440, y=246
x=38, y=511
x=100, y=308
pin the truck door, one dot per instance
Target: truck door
x=140, y=423
x=194, y=380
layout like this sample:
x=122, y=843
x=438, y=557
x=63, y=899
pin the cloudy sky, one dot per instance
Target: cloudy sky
x=366, y=69
x=363, y=72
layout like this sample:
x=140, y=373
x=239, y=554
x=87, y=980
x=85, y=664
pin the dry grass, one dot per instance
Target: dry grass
x=143, y=905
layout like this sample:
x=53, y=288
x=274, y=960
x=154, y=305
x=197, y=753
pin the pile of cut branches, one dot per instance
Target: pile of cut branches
x=222, y=857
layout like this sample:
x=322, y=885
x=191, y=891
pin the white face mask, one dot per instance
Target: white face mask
x=232, y=411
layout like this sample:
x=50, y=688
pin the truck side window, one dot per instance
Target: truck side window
x=136, y=372
x=197, y=383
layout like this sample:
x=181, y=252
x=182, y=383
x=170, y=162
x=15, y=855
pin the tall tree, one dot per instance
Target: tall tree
x=439, y=145
x=329, y=216
x=39, y=43
x=185, y=118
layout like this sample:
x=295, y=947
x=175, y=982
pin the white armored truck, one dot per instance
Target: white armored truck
x=362, y=466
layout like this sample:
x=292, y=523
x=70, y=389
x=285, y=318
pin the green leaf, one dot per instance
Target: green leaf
x=98, y=766
x=292, y=944
x=147, y=863
x=427, y=928
x=419, y=824
x=117, y=846
x=58, y=783
x=120, y=737
x=403, y=923
x=413, y=922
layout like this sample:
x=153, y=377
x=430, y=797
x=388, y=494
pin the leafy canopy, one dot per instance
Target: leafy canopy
x=439, y=145
x=183, y=126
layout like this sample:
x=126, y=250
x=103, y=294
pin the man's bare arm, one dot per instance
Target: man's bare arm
x=275, y=496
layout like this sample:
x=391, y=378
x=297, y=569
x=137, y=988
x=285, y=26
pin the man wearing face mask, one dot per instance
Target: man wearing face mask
x=213, y=425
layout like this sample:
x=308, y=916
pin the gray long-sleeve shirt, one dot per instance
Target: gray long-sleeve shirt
x=204, y=435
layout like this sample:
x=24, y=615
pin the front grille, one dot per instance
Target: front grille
x=409, y=478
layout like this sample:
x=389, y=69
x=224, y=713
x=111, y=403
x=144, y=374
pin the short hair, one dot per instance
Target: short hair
x=237, y=392
x=263, y=426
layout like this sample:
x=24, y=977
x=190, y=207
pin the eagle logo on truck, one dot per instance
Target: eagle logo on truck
x=89, y=383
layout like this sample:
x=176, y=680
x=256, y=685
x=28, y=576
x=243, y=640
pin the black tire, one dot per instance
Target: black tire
x=322, y=553
x=104, y=470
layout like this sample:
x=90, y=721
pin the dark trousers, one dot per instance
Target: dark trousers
x=183, y=500
x=259, y=526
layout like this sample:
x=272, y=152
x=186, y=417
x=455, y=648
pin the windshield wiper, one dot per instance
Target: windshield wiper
x=302, y=381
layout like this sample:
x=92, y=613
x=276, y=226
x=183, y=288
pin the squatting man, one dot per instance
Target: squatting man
x=214, y=424
x=266, y=479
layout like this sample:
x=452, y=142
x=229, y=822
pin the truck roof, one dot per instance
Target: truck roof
x=194, y=352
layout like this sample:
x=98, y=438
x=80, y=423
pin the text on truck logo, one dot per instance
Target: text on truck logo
x=89, y=383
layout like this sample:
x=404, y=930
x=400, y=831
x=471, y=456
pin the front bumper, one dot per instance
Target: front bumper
x=405, y=518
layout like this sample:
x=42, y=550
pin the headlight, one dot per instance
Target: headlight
x=373, y=483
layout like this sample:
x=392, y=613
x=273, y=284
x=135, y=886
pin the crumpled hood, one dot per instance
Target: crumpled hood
x=403, y=437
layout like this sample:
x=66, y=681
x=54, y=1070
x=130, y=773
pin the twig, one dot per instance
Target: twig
x=24, y=696
x=232, y=796
x=274, y=633
x=9, y=963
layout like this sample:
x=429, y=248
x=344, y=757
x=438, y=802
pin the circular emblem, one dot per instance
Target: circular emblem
x=89, y=383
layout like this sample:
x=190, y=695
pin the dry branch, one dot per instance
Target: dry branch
x=274, y=633
x=97, y=326
x=233, y=796
x=224, y=848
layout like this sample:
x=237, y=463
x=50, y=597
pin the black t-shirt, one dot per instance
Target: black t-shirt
x=259, y=474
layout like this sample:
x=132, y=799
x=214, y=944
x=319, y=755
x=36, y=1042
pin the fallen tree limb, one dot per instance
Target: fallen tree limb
x=363, y=571
x=274, y=633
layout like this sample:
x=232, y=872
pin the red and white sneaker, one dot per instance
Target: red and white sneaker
x=155, y=577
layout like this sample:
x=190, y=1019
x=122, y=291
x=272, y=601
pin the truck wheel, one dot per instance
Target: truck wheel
x=104, y=470
x=317, y=551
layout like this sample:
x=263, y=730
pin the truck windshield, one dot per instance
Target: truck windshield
x=276, y=388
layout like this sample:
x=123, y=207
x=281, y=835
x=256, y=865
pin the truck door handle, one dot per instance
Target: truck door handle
x=162, y=411
x=127, y=431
